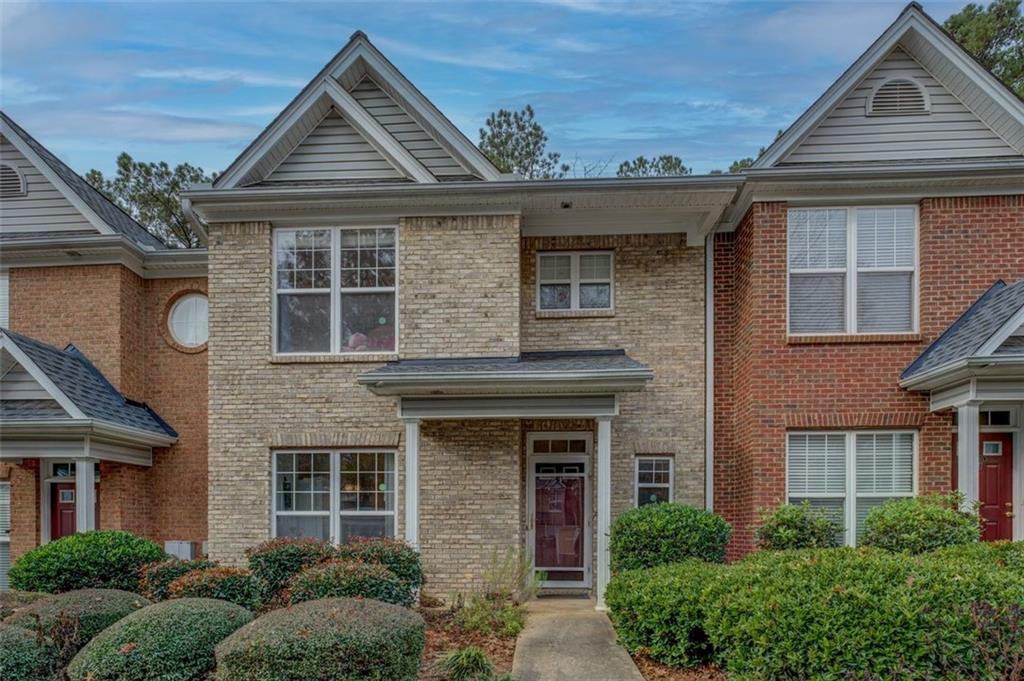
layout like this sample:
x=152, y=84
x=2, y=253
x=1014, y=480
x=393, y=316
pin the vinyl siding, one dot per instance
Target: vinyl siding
x=848, y=134
x=43, y=208
x=18, y=384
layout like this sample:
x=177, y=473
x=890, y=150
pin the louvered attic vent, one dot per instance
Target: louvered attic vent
x=898, y=97
x=11, y=183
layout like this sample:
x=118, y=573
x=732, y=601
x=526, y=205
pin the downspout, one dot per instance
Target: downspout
x=194, y=222
x=709, y=371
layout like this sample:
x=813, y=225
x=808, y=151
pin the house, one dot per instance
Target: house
x=405, y=341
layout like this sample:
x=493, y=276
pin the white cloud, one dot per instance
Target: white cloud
x=138, y=125
x=826, y=29
x=14, y=91
x=212, y=75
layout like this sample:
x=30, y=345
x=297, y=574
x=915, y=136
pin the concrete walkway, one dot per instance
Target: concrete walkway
x=567, y=640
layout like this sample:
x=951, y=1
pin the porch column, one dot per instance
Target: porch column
x=604, y=504
x=412, y=481
x=968, y=436
x=85, y=495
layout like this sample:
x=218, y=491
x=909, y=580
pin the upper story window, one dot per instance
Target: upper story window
x=575, y=281
x=335, y=290
x=188, y=320
x=852, y=270
x=12, y=182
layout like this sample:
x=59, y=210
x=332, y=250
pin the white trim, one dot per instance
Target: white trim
x=709, y=371
x=1001, y=334
x=575, y=280
x=870, y=103
x=604, y=505
x=46, y=479
x=411, y=530
x=41, y=378
x=671, y=475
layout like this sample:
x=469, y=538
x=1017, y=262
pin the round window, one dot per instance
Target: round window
x=188, y=320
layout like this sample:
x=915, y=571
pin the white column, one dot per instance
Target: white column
x=604, y=504
x=412, y=481
x=85, y=495
x=968, y=463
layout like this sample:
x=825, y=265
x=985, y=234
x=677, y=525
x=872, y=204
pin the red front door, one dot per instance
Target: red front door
x=62, y=509
x=995, y=486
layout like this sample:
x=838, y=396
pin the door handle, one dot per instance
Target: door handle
x=1009, y=514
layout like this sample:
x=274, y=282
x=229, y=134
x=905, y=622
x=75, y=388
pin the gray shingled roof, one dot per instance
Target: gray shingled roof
x=967, y=334
x=118, y=220
x=527, y=363
x=87, y=388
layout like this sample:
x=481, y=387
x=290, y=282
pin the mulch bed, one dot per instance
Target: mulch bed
x=655, y=671
x=443, y=636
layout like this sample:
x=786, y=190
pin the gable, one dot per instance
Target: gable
x=851, y=134
x=43, y=208
x=18, y=384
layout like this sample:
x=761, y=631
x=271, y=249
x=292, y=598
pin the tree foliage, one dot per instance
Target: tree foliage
x=662, y=166
x=151, y=194
x=995, y=36
x=516, y=143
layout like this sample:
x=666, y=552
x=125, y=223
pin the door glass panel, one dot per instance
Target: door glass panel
x=559, y=541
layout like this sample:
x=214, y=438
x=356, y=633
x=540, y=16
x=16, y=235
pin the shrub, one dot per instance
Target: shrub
x=234, y=585
x=26, y=656
x=657, y=534
x=918, y=524
x=491, y=617
x=797, y=527
x=170, y=641
x=12, y=601
x=276, y=561
x=348, y=578
x=106, y=559
x=466, y=664
x=397, y=556
x=353, y=638
x=510, y=577
x=1005, y=554
x=155, y=578
x=658, y=611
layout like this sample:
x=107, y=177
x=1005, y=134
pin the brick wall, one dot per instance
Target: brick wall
x=766, y=385
x=25, y=529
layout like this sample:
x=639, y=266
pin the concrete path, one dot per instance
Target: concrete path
x=567, y=640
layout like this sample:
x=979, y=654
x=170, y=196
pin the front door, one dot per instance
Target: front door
x=560, y=525
x=62, y=509
x=995, y=486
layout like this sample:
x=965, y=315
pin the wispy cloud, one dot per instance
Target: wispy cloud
x=214, y=75
x=15, y=90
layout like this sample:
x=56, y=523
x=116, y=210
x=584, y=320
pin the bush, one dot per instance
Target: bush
x=106, y=559
x=1005, y=554
x=491, y=617
x=234, y=585
x=12, y=601
x=397, y=556
x=155, y=578
x=276, y=561
x=797, y=527
x=26, y=656
x=510, y=577
x=353, y=638
x=348, y=578
x=466, y=664
x=658, y=611
x=657, y=534
x=918, y=524
x=170, y=641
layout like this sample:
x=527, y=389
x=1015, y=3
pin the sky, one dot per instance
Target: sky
x=195, y=82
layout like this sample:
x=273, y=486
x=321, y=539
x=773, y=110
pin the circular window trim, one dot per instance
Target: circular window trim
x=165, y=323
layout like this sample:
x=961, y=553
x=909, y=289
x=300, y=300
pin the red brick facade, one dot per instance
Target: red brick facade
x=766, y=383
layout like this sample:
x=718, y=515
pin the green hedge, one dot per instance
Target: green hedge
x=659, y=534
x=919, y=524
x=24, y=656
x=12, y=601
x=342, y=639
x=105, y=559
x=234, y=585
x=170, y=641
x=797, y=526
x=395, y=555
x=658, y=611
x=351, y=578
x=1005, y=554
x=155, y=578
x=276, y=561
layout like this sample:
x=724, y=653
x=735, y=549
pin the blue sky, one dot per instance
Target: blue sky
x=707, y=81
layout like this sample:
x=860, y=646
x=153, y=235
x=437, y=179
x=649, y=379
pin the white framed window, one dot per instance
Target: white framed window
x=5, y=298
x=336, y=290
x=334, y=495
x=582, y=280
x=5, y=534
x=852, y=270
x=188, y=320
x=653, y=479
x=848, y=474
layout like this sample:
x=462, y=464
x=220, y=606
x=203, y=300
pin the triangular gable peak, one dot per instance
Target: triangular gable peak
x=967, y=112
x=23, y=380
x=380, y=109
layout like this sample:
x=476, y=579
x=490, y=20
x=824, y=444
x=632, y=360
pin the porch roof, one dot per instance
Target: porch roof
x=559, y=372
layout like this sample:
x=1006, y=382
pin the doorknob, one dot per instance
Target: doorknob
x=1009, y=514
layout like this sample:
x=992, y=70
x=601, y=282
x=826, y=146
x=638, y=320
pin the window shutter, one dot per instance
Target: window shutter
x=817, y=464
x=817, y=303
x=4, y=299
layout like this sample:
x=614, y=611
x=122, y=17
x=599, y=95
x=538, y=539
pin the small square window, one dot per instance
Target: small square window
x=653, y=480
x=992, y=448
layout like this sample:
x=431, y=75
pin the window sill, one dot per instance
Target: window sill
x=369, y=357
x=853, y=339
x=573, y=314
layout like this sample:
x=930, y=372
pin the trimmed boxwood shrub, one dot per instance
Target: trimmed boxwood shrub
x=170, y=641
x=355, y=639
x=276, y=561
x=104, y=559
x=155, y=578
x=26, y=656
x=10, y=601
x=797, y=526
x=394, y=554
x=658, y=611
x=352, y=578
x=658, y=534
x=235, y=585
x=918, y=524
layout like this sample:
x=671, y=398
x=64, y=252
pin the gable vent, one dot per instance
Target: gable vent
x=11, y=182
x=898, y=97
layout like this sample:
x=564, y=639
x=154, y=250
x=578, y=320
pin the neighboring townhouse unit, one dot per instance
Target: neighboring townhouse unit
x=102, y=364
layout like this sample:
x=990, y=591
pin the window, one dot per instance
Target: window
x=575, y=281
x=12, y=183
x=5, y=533
x=188, y=320
x=334, y=495
x=336, y=290
x=848, y=474
x=852, y=270
x=898, y=97
x=653, y=479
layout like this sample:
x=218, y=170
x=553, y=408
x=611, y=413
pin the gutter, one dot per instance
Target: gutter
x=123, y=434
x=197, y=226
x=508, y=376
x=920, y=381
x=882, y=172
